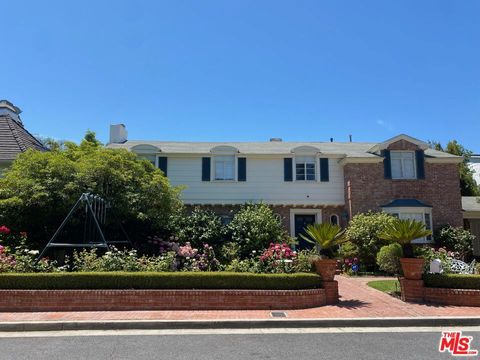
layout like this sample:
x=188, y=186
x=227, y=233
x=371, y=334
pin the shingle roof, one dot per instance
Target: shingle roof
x=14, y=139
x=406, y=203
x=471, y=203
x=348, y=149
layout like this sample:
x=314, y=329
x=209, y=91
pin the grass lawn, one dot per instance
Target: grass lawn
x=387, y=286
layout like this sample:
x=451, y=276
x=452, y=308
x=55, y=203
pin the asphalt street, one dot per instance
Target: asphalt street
x=281, y=344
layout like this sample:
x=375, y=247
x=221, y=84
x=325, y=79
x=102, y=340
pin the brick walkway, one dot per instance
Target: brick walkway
x=357, y=301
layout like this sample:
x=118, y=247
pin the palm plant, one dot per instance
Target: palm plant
x=404, y=232
x=326, y=236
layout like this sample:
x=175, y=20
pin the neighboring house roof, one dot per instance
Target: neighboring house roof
x=342, y=149
x=471, y=203
x=406, y=203
x=14, y=139
x=475, y=166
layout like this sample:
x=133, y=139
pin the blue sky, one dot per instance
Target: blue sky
x=245, y=70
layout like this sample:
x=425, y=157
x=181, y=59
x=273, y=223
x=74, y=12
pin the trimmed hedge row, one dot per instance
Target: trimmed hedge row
x=452, y=281
x=158, y=280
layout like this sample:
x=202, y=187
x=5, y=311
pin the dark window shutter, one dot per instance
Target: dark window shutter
x=324, y=175
x=387, y=164
x=206, y=169
x=288, y=169
x=420, y=159
x=242, y=169
x=163, y=164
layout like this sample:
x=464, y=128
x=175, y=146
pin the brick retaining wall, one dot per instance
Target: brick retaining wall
x=112, y=300
x=415, y=291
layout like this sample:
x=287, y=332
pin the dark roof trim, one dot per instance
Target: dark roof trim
x=406, y=203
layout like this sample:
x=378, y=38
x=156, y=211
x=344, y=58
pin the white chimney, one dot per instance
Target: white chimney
x=118, y=134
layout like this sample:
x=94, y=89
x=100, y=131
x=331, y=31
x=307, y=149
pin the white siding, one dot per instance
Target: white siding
x=264, y=183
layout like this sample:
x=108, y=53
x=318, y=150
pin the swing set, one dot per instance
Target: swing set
x=95, y=218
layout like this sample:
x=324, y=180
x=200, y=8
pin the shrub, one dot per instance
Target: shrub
x=246, y=265
x=457, y=239
x=254, y=227
x=229, y=252
x=200, y=227
x=452, y=281
x=16, y=257
x=363, y=232
x=304, y=261
x=39, y=188
x=122, y=280
x=277, y=259
x=428, y=254
x=388, y=258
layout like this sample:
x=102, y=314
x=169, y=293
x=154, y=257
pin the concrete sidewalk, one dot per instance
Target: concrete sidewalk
x=359, y=304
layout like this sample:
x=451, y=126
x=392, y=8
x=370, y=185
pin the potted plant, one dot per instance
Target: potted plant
x=404, y=232
x=326, y=236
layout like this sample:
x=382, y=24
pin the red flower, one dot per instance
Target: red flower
x=4, y=230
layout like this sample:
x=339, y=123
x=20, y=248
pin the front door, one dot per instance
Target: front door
x=301, y=222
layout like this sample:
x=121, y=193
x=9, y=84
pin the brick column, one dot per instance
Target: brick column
x=412, y=290
x=331, y=291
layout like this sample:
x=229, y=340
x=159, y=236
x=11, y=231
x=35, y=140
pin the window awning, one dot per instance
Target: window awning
x=406, y=203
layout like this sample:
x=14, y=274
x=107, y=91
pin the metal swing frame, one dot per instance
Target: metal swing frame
x=96, y=208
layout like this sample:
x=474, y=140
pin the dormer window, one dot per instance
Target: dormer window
x=305, y=168
x=403, y=165
x=225, y=167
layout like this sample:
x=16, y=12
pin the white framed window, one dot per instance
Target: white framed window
x=403, y=165
x=423, y=215
x=224, y=167
x=151, y=158
x=305, y=168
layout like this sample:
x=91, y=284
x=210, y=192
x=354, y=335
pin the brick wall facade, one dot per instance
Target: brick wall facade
x=369, y=190
x=117, y=300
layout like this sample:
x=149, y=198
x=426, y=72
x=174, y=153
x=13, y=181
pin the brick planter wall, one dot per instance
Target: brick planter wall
x=458, y=297
x=415, y=291
x=331, y=292
x=111, y=300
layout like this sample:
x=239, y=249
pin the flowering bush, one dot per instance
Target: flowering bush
x=429, y=254
x=16, y=257
x=278, y=258
x=191, y=259
x=350, y=265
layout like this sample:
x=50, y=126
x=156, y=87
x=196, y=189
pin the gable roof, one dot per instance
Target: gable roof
x=14, y=139
x=383, y=145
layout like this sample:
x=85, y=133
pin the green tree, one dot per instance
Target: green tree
x=38, y=190
x=468, y=185
x=362, y=236
x=254, y=227
x=201, y=226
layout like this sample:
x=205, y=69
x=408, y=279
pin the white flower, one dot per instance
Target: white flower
x=33, y=252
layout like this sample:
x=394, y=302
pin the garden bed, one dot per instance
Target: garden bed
x=159, y=291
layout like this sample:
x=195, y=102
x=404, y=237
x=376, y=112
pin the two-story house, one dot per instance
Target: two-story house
x=307, y=182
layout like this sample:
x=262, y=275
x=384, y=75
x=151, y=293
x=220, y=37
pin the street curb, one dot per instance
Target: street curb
x=237, y=324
